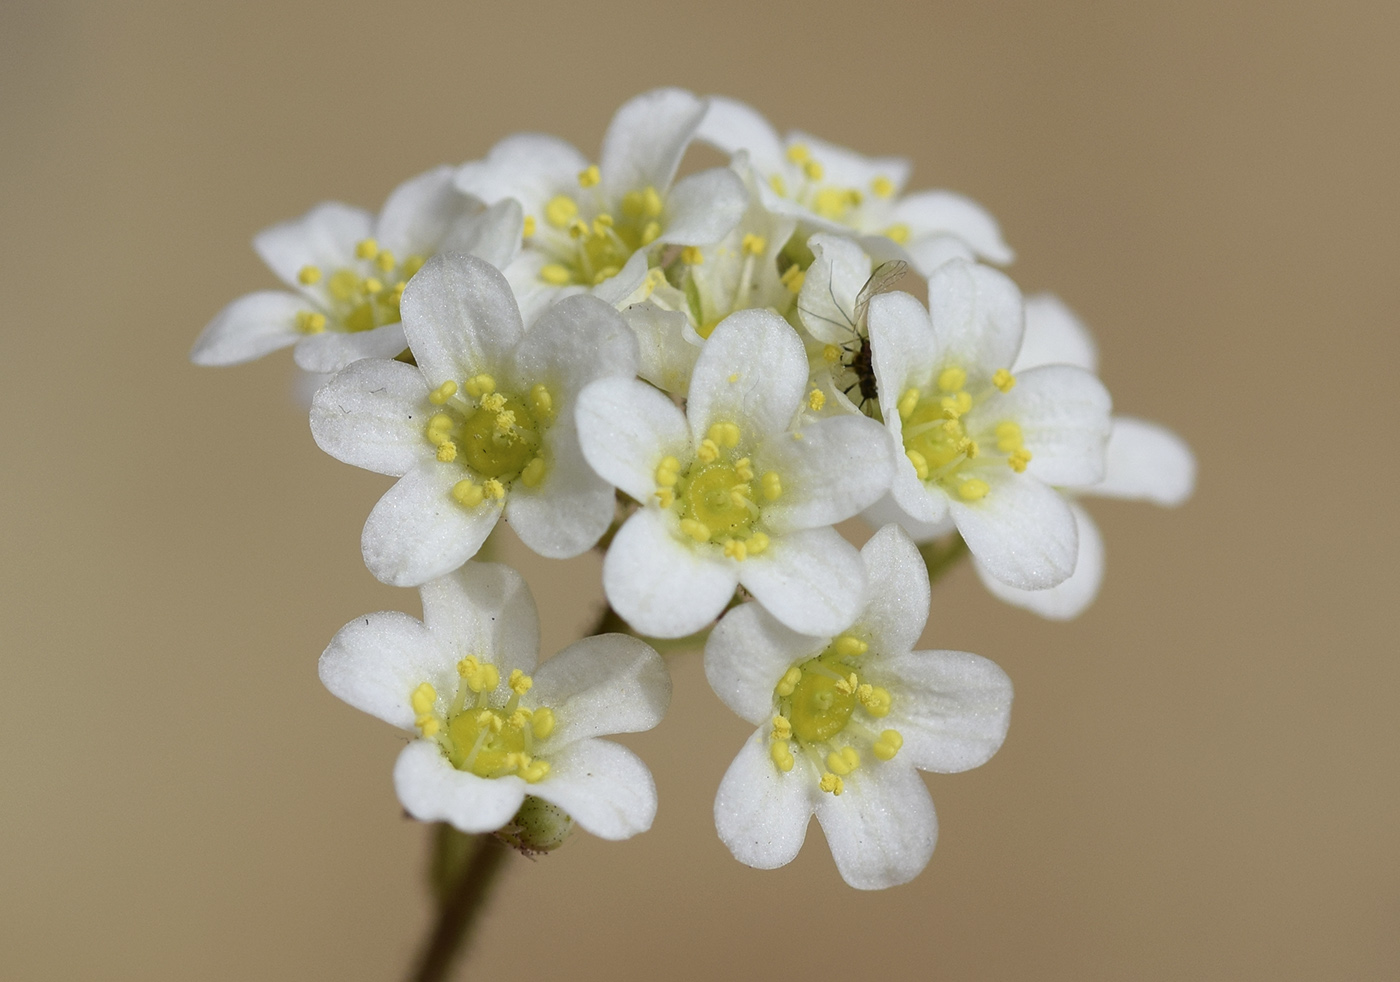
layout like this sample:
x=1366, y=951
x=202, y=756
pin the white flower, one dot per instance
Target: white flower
x=845, y=723
x=584, y=222
x=483, y=424
x=984, y=449
x=737, y=490
x=1143, y=461
x=492, y=728
x=349, y=270
x=832, y=188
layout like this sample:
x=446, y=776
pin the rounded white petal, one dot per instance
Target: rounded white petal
x=625, y=428
x=646, y=140
x=603, y=786
x=662, y=586
x=373, y=415
x=847, y=169
x=252, y=326
x=926, y=507
x=492, y=234
x=752, y=372
x=1063, y=413
x=903, y=347
x=418, y=531
x=330, y=351
x=1055, y=336
x=703, y=208
x=929, y=213
x=460, y=318
x=608, y=683
x=486, y=610
x=886, y=511
x=952, y=708
x=882, y=829
x=977, y=314
x=762, y=813
x=1146, y=461
x=732, y=126
x=417, y=215
x=932, y=251
x=827, y=301
x=665, y=356
x=375, y=662
x=324, y=237
x=746, y=655
x=897, y=591
x=572, y=507
x=1070, y=598
x=577, y=340
x=626, y=281
x=841, y=465
x=1023, y=532
x=530, y=167
x=432, y=790
x=811, y=580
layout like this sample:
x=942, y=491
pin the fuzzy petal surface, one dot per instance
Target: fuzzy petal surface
x=646, y=140
x=761, y=813
x=1022, y=532
x=841, y=465
x=375, y=662
x=530, y=167
x=460, y=318
x=660, y=585
x=324, y=237
x=848, y=169
x=943, y=212
x=418, y=532
x=432, y=790
x=492, y=234
x=882, y=829
x=483, y=609
x=953, y=708
x=746, y=655
x=897, y=591
x=416, y=217
x=1070, y=598
x=903, y=347
x=608, y=683
x=1063, y=413
x=603, y=786
x=752, y=371
x=827, y=301
x=665, y=357
x=571, y=509
x=252, y=326
x=811, y=580
x=886, y=511
x=625, y=428
x=703, y=208
x=331, y=351
x=1148, y=462
x=732, y=126
x=1055, y=336
x=577, y=340
x=977, y=313
x=373, y=415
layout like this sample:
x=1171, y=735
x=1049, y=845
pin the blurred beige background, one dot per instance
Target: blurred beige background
x=1202, y=778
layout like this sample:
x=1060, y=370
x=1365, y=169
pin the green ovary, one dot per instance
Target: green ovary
x=499, y=444
x=819, y=709
x=710, y=497
x=493, y=756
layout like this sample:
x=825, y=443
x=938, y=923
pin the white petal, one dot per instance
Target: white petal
x=373, y=415
x=619, y=287
x=732, y=126
x=418, y=531
x=486, y=610
x=603, y=786
x=625, y=428
x=886, y=511
x=432, y=790
x=977, y=314
x=943, y=212
x=250, y=327
x=703, y=208
x=492, y=234
x=665, y=358
x=811, y=580
x=903, y=347
x=646, y=140
x=827, y=300
x=416, y=217
x=574, y=342
x=1022, y=532
x=1063, y=413
x=847, y=169
x=761, y=813
x=932, y=251
x=660, y=585
x=952, y=708
x=926, y=506
x=752, y=372
x=897, y=591
x=882, y=829
x=331, y=351
x=1070, y=598
x=529, y=167
x=460, y=318
x=324, y=237
x=572, y=507
x=746, y=655
x=1055, y=336
x=1146, y=461
x=841, y=465
x=608, y=683
x=375, y=662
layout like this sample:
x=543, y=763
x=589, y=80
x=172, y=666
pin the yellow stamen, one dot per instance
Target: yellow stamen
x=698, y=531
x=772, y=486
x=447, y=451
x=757, y=543
x=692, y=256
x=442, y=393
x=309, y=275
x=973, y=489
x=798, y=153
x=1004, y=380
x=554, y=274
x=793, y=279
x=888, y=744
x=898, y=233
x=816, y=399
x=813, y=170
x=366, y=249
x=423, y=699
x=951, y=379
x=832, y=784
x=848, y=646
x=542, y=722
x=533, y=474
x=781, y=756
x=882, y=186
x=528, y=229
x=753, y=245
x=788, y=683
x=589, y=176
x=467, y=493
x=520, y=683
x=561, y=210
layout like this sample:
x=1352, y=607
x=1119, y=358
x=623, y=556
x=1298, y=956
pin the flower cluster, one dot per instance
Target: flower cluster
x=701, y=376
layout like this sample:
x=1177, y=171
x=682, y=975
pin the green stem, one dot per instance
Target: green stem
x=462, y=886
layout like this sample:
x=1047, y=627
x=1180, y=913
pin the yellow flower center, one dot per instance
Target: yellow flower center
x=940, y=446
x=494, y=436
x=359, y=297
x=586, y=243
x=474, y=735
x=717, y=497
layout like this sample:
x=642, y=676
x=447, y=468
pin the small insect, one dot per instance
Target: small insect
x=856, y=355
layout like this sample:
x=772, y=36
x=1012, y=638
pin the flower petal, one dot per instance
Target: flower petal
x=732, y=126
x=252, y=326
x=827, y=301
x=752, y=371
x=1070, y=598
x=324, y=237
x=492, y=234
x=646, y=140
x=569, y=511
x=375, y=662
x=1022, y=532
x=746, y=655
x=660, y=585
x=952, y=708
x=811, y=580
x=762, y=813
x=432, y=790
x=574, y=342
x=903, y=347
x=417, y=215
x=608, y=683
x=897, y=591
x=929, y=213
x=625, y=428
x=845, y=168
x=603, y=786
x=1146, y=461
x=665, y=358
x=841, y=465
x=331, y=351
x=418, y=532
x=1063, y=413
x=882, y=829
x=372, y=415
x=1055, y=336
x=926, y=506
x=460, y=318
x=887, y=512
x=703, y=208
x=977, y=313
x=486, y=610
x=529, y=167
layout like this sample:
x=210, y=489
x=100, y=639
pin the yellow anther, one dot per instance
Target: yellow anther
x=1018, y=460
x=956, y=404
x=1009, y=437
x=535, y=771
x=652, y=205
x=778, y=185
x=847, y=646
x=882, y=186
x=650, y=233
x=468, y=666
x=831, y=354
x=832, y=784
x=602, y=223
x=813, y=170
x=782, y=728
x=898, y=233
x=831, y=202
x=951, y=379
x=772, y=486
x=467, y=493
x=439, y=428
x=692, y=256
x=488, y=719
x=430, y=726
x=876, y=701
x=953, y=428
x=542, y=722
x=423, y=699
x=492, y=402
x=385, y=260
x=973, y=489
x=654, y=279
x=520, y=683
x=844, y=762
x=758, y=542
x=1004, y=380
x=725, y=434
x=698, y=531
x=848, y=685
x=533, y=474
x=668, y=471
x=589, y=176
x=788, y=682
x=505, y=421
x=442, y=393
x=311, y=322
x=412, y=265
x=816, y=399
x=798, y=153
x=372, y=285
x=366, y=249
x=753, y=245
x=633, y=204
x=541, y=401
x=736, y=550
x=781, y=756
x=665, y=497
x=887, y=745
x=733, y=376
x=793, y=278
x=919, y=462
x=528, y=228
x=908, y=403
x=480, y=385
x=578, y=229
x=493, y=489
x=343, y=284
x=606, y=273
x=561, y=210
x=707, y=451
x=447, y=451
x=309, y=275
x=743, y=467
x=519, y=718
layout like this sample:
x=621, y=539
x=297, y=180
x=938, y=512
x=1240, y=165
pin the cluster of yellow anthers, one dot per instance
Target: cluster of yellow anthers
x=487, y=741
x=936, y=442
x=816, y=703
x=715, y=496
x=830, y=201
x=589, y=252
x=497, y=435
x=361, y=300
